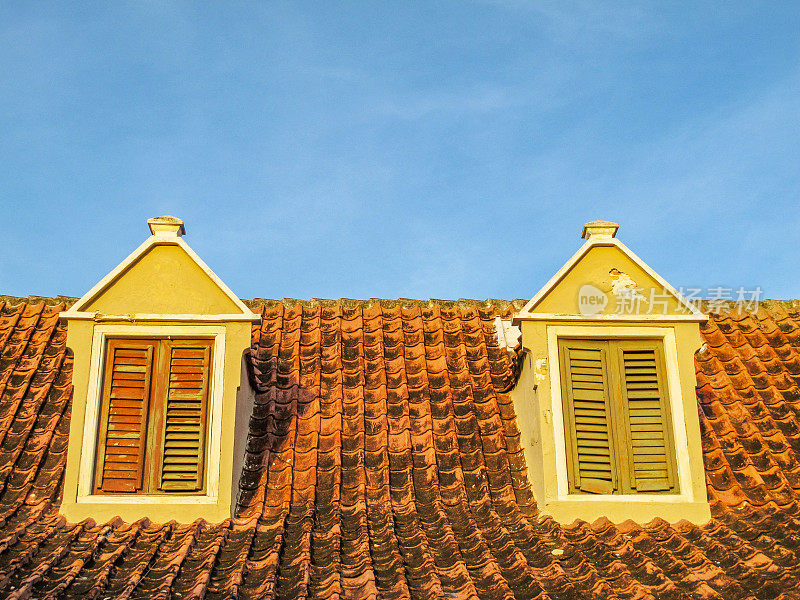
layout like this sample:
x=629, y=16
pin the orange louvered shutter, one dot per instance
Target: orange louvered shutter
x=187, y=370
x=124, y=415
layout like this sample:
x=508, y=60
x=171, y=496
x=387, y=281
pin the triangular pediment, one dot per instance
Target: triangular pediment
x=161, y=278
x=606, y=280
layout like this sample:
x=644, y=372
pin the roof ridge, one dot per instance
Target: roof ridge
x=517, y=303
x=791, y=305
x=34, y=299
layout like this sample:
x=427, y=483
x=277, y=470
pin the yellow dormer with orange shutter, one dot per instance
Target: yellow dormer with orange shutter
x=157, y=347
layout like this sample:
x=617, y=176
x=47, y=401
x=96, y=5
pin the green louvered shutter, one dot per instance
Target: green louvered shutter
x=185, y=408
x=124, y=414
x=588, y=418
x=645, y=408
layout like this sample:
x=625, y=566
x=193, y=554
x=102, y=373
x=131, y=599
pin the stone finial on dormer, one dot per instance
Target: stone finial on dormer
x=599, y=230
x=166, y=226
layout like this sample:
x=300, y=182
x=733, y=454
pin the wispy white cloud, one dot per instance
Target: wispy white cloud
x=448, y=104
x=565, y=19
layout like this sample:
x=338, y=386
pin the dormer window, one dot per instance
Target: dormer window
x=158, y=387
x=617, y=417
x=153, y=416
x=606, y=397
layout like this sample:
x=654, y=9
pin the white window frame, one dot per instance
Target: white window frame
x=91, y=421
x=675, y=397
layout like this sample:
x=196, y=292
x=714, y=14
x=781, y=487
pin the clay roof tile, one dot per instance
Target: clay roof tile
x=406, y=477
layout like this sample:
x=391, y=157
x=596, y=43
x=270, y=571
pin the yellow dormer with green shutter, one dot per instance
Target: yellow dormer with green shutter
x=606, y=399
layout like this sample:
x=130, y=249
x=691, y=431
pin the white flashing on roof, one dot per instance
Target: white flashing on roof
x=508, y=335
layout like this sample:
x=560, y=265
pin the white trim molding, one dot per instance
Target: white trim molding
x=135, y=317
x=612, y=317
x=93, y=403
x=667, y=337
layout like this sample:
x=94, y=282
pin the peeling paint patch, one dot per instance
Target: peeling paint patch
x=623, y=285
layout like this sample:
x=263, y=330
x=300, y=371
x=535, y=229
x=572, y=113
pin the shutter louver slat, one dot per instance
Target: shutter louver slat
x=646, y=409
x=126, y=400
x=588, y=419
x=183, y=446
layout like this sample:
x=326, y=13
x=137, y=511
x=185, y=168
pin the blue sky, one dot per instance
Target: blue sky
x=390, y=150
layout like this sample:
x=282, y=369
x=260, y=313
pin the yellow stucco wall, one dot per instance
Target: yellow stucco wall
x=163, y=280
x=595, y=268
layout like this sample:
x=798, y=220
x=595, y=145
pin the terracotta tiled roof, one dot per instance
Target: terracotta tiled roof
x=384, y=461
